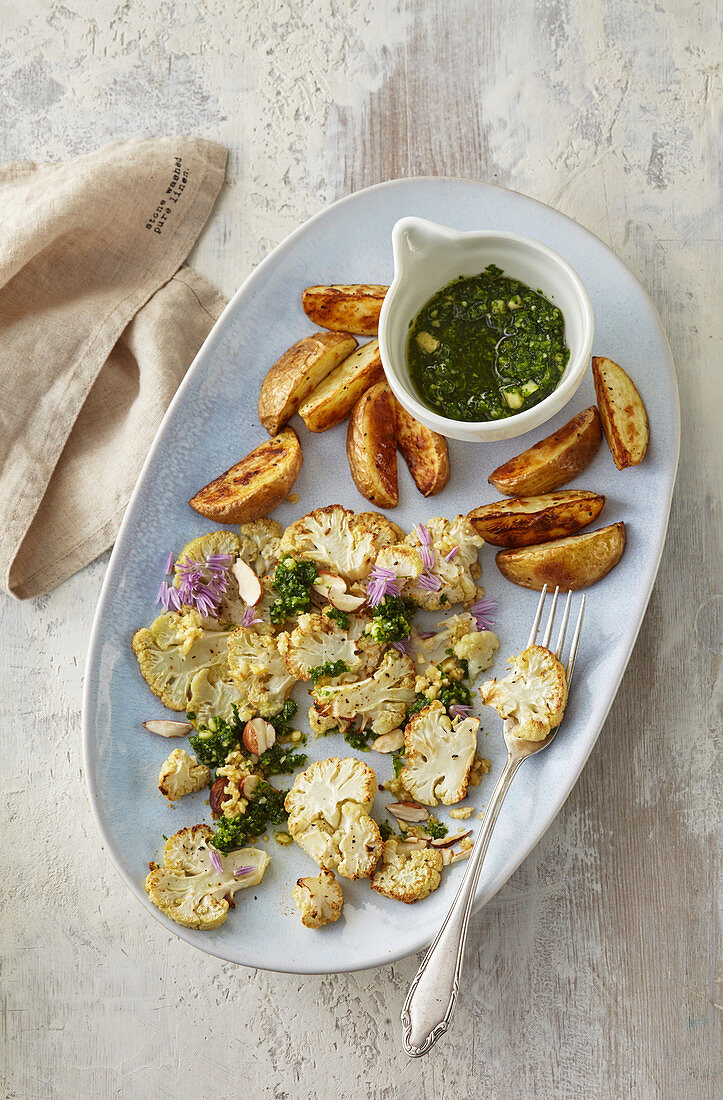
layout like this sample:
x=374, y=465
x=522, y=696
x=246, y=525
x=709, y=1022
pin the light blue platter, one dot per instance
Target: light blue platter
x=213, y=421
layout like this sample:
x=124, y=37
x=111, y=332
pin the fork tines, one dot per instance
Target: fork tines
x=563, y=627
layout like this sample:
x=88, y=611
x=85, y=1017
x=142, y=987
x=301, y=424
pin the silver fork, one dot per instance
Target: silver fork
x=433, y=993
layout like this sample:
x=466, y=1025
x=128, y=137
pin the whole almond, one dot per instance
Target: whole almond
x=259, y=735
x=218, y=794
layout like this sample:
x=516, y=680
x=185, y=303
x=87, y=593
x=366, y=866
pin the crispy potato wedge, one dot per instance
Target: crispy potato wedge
x=297, y=373
x=334, y=398
x=526, y=521
x=345, y=308
x=623, y=415
x=255, y=485
x=553, y=461
x=573, y=563
x=424, y=451
x=371, y=446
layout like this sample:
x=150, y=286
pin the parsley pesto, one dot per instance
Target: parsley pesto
x=486, y=347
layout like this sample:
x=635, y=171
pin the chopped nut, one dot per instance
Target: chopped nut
x=448, y=841
x=296, y=736
x=249, y=585
x=283, y=838
x=259, y=735
x=389, y=742
x=408, y=811
x=164, y=727
x=249, y=785
x=462, y=813
x=480, y=767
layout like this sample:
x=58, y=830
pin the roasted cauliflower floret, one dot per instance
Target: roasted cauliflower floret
x=478, y=650
x=164, y=665
x=407, y=876
x=319, y=899
x=339, y=540
x=440, y=752
x=182, y=774
x=215, y=694
x=328, y=808
x=532, y=695
x=259, y=544
x=317, y=641
x=404, y=560
x=258, y=668
x=458, y=576
x=381, y=699
x=189, y=889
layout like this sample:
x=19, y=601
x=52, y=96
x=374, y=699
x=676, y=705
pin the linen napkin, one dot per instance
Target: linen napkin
x=97, y=328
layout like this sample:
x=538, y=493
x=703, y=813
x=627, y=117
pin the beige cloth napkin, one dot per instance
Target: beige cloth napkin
x=97, y=327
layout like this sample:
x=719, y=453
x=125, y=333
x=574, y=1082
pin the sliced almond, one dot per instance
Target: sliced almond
x=449, y=856
x=448, y=841
x=413, y=844
x=408, y=811
x=249, y=785
x=164, y=727
x=259, y=735
x=345, y=601
x=389, y=742
x=249, y=585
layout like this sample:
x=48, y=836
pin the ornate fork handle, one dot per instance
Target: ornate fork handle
x=433, y=993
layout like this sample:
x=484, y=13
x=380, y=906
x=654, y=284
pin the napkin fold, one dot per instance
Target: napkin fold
x=98, y=324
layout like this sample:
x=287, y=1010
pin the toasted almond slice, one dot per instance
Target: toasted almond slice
x=407, y=811
x=389, y=742
x=448, y=841
x=412, y=844
x=249, y=585
x=258, y=736
x=249, y=785
x=164, y=727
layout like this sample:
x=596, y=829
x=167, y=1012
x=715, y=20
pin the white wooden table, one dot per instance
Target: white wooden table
x=592, y=973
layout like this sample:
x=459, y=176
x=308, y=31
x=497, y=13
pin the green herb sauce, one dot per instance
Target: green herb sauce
x=486, y=347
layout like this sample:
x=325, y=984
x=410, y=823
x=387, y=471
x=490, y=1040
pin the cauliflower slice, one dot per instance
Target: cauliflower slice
x=440, y=754
x=182, y=774
x=458, y=576
x=214, y=693
x=260, y=543
x=382, y=698
x=319, y=899
x=407, y=876
x=478, y=650
x=168, y=663
x=532, y=695
x=338, y=540
x=319, y=640
x=328, y=808
x=259, y=670
x=189, y=889
x=404, y=560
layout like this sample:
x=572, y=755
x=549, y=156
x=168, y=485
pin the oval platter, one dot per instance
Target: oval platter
x=213, y=421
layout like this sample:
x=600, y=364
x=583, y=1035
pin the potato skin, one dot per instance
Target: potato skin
x=553, y=461
x=623, y=414
x=255, y=485
x=425, y=453
x=571, y=563
x=334, y=398
x=297, y=373
x=353, y=308
x=371, y=446
x=526, y=521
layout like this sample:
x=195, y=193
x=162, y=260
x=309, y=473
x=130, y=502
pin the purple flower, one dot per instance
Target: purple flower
x=169, y=563
x=452, y=554
x=381, y=583
x=240, y=871
x=459, y=710
x=169, y=597
x=429, y=582
x=424, y=634
x=403, y=645
x=203, y=584
x=485, y=612
x=426, y=552
x=423, y=534
x=247, y=619
x=215, y=859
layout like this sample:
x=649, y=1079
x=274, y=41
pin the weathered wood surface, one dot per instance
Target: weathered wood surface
x=593, y=972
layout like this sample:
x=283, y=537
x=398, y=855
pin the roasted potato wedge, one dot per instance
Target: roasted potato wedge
x=424, y=451
x=334, y=398
x=255, y=485
x=297, y=373
x=371, y=446
x=553, y=461
x=573, y=563
x=526, y=521
x=345, y=308
x=623, y=415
